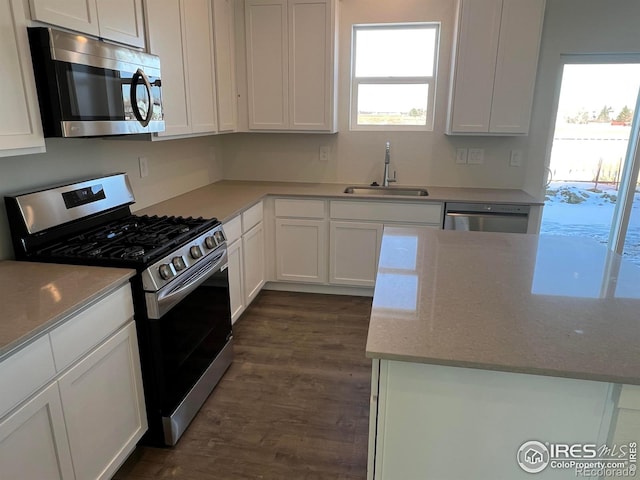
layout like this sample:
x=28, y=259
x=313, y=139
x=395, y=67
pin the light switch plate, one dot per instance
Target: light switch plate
x=144, y=166
x=476, y=156
x=461, y=155
x=516, y=158
x=323, y=155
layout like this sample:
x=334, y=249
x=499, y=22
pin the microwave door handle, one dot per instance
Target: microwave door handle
x=134, y=97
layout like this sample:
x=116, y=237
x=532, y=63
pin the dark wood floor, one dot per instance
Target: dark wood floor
x=293, y=405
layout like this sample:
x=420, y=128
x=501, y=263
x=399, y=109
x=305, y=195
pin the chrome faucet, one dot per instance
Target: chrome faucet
x=386, y=180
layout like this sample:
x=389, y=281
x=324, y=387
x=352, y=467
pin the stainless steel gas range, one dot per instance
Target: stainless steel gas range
x=181, y=290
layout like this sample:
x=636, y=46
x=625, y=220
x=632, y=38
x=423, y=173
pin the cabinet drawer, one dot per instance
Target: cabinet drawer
x=233, y=229
x=251, y=217
x=87, y=329
x=429, y=213
x=25, y=372
x=291, y=207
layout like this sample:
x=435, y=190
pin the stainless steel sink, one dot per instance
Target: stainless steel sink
x=394, y=191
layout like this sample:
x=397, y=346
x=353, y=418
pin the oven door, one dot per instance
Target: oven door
x=190, y=340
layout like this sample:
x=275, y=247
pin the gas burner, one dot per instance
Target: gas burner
x=183, y=228
x=133, y=252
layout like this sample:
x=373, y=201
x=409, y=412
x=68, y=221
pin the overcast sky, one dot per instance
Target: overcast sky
x=591, y=87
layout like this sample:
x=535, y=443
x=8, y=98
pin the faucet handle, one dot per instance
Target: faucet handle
x=394, y=179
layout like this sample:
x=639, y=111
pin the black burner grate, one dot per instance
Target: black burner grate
x=132, y=239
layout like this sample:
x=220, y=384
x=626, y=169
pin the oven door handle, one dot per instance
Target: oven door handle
x=165, y=300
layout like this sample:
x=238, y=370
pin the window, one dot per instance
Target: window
x=393, y=76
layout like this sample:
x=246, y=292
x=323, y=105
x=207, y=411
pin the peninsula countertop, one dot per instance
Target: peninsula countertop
x=546, y=305
x=35, y=297
x=227, y=198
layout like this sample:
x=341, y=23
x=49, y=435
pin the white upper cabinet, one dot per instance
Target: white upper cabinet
x=180, y=33
x=117, y=20
x=290, y=48
x=494, y=68
x=121, y=21
x=20, y=126
x=225, y=64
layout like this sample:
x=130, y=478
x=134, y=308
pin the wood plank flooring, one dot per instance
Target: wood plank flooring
x=293, y=405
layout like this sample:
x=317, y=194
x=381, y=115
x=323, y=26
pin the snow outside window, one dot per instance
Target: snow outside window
x=393, y=76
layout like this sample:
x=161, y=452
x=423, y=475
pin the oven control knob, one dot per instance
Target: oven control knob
x=210, y=242
x=178, y=263
x=166, y=272
x=195, y=252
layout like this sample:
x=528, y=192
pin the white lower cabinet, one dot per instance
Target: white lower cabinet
x=301, y=250
x=104, y=405
x=246, y=260
x=33, y=440
x=81, y=419
x=353, y=251
x=236, y=279
x=254, y=273
x=423, y=416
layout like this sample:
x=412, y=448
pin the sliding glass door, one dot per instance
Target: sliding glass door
x=593, y=169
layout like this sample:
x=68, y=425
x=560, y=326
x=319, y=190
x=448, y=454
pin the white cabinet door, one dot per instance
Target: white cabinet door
x=121, y=21
x=424, y=409
x=475, y=64
x=164, y=25
x=79, y=15
x=353, y=253
x=253, y=249
x=20, y=126
x=236, y=279
x=310, y=60
x=103, y=405
x=516, y=65
x=33, y=440
x=267, y=64
x=224, y=43
x=180, y=33
x=197, y=37
x=301, y=250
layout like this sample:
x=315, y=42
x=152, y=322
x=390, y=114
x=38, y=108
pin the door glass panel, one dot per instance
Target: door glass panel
x=92, y=93
x=593, y=126
x=632, y=240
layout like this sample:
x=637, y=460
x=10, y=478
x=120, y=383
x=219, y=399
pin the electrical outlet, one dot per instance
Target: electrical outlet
x=323, y=155
x=476, y=156
x=144, y=166
x=516, y=158
x=461, y=155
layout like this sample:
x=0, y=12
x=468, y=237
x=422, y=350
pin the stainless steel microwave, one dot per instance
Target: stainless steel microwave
x=90, y=88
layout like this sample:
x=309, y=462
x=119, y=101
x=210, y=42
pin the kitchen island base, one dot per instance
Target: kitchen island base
x=447, y=423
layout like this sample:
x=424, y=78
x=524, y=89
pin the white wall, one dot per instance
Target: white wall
x=425, y=158
x=573, y=27
x=175, y=167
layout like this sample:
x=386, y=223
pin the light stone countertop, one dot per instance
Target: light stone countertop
x=227, y=198
x=35, y=297
x=545, y=305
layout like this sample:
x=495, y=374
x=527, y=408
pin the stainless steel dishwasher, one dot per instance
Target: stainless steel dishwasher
x=486, y=217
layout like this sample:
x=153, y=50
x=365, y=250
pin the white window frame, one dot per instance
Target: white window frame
x=429, y=80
